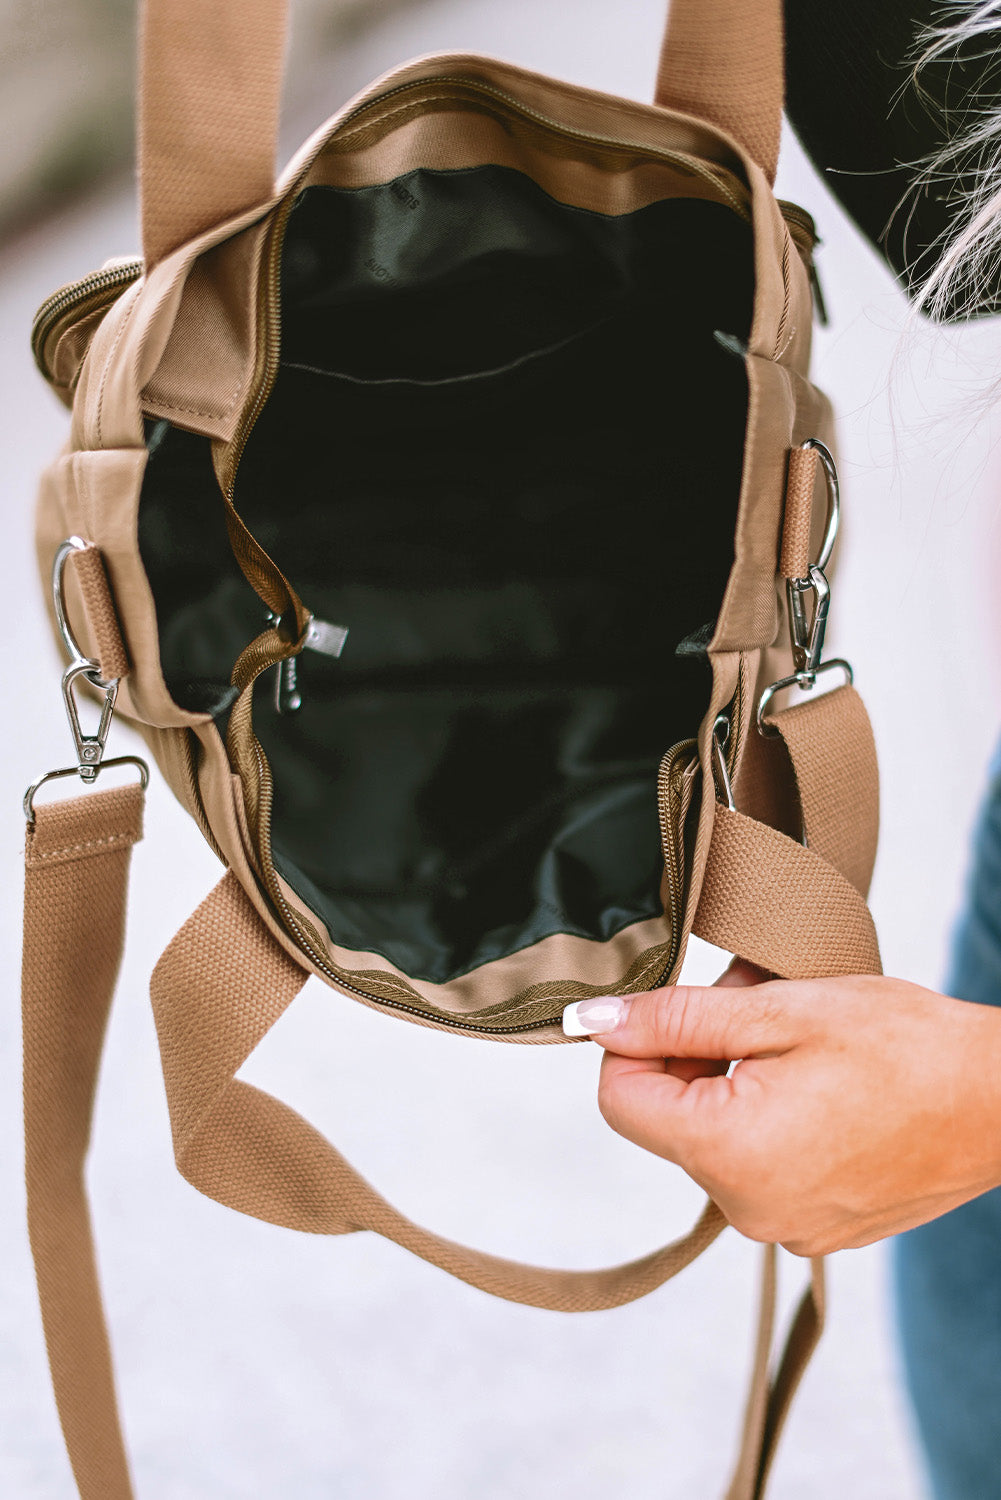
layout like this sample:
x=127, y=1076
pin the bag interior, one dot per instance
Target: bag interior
x=504, y=450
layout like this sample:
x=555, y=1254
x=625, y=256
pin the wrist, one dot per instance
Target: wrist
x=978, y=1093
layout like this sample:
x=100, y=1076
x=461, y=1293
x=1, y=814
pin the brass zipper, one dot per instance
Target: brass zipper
x=801, y=228
x=672, y=804
x=803, y=231
x=294, y=926
x=732, y=190
x=76, y=300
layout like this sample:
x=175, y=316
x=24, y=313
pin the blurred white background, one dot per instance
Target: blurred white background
x=254, y=1363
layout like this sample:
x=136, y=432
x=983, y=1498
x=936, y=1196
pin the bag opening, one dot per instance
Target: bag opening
x=504, y=449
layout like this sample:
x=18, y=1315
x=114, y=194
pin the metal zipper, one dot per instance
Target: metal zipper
x=804, y=236
x=672, y=840
x=735, y=195
x=92, y=289
x=800, y=222
x=294, y=927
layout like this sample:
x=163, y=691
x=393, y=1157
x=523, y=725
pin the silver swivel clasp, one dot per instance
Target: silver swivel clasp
x=89, y=748
x=809, y=601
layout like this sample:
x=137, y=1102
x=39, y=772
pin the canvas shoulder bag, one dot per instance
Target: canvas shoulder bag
x=450, y=520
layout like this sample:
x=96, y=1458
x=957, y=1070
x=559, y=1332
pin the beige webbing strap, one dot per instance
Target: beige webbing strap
x=804, y=1335
x=236, y=1143
x=745, y=1473
x=723, y=61
x=210, y=76
x=221, y=984
x=76, y=874
x=210, y=89
x=800, y=911
x=781, y=906
x=833, y=756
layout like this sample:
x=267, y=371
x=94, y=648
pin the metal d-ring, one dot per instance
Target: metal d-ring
x=721, y=772
x=78, y=660
x=830, y=469
x=116, y=760
x=798, y=679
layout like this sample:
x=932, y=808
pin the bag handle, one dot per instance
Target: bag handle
x=724, y=61
x=210, y=81
x=210, y=78
x=220, y=986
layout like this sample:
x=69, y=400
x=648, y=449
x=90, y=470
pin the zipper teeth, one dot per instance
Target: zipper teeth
x=798, y=214
x=78, y=290
x=736, y=721
x=721, y=179
x=272, y=343
x=720, y=176
x=294, y=926
x=670, y=855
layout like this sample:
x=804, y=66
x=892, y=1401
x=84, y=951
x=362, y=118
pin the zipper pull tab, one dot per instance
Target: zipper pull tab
x=818, y=295
x=322, y=637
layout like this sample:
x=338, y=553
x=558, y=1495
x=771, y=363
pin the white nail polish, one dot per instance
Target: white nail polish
x=592, y=1017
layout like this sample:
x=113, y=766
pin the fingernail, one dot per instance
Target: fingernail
x=591, y=1017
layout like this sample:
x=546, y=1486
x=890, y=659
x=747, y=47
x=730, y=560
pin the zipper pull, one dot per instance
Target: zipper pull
x=818, y=295
x=288, y=699
x=322, y=637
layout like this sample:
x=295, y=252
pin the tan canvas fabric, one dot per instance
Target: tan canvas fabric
x=219, y=987
x=76, y=869
x=190, y=341
x=797, y=521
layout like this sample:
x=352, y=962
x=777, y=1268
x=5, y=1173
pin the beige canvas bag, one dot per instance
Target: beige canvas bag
x=450, y=520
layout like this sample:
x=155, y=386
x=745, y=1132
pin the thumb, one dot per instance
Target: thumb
x=688, y=1021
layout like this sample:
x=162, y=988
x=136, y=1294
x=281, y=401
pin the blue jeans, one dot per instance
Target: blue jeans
x=948, y=1272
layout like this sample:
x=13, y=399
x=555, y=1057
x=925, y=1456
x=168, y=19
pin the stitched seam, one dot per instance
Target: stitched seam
x=113, y=838
x=107, y=370
x=194, y=411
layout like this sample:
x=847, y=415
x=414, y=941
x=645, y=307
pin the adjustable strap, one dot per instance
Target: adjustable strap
x=76, y=872
x=210, y=79
x=800, y=912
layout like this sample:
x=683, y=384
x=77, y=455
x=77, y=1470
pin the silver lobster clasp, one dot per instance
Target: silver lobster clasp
x=89, y=748
x=808, y=627
x=808, y=630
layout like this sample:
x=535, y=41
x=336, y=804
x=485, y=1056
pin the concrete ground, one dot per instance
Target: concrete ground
x=253, y=1363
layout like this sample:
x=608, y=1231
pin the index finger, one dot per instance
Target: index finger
x=689, y=1021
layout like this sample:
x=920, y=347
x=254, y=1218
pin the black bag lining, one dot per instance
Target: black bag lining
x=504, y=448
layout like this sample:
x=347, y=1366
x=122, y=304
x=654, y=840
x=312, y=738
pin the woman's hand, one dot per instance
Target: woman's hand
x=861, y=1106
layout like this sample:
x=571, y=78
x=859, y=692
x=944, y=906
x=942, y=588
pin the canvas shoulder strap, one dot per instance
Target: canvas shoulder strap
x=221, y=985
x=210, y=79
x=76, y=874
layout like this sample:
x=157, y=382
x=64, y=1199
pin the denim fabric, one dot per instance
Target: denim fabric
x=948, y=1273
